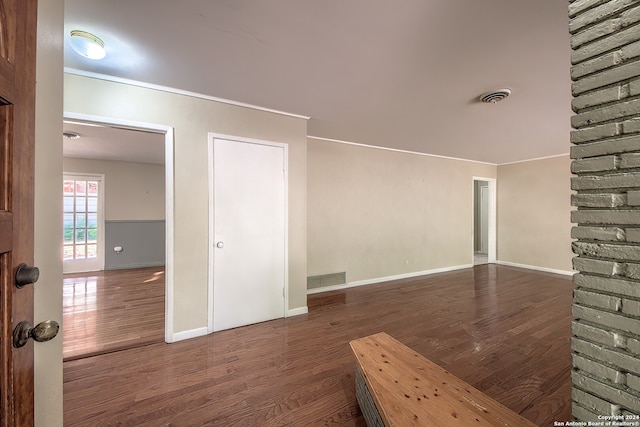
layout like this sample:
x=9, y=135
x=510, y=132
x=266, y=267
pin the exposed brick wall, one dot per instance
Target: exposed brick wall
x=605, y=38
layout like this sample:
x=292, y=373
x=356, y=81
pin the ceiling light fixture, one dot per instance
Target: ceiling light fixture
x=495, y=96
x=87, y=45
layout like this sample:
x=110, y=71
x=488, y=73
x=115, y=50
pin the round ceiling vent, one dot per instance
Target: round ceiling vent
x=70, y=135
x=495, y=96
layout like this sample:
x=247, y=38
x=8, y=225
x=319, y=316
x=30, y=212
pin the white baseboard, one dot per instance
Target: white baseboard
x=199, y=332
x=185, y=335
x=534, y=267
x=297, y=311
x=386, y=279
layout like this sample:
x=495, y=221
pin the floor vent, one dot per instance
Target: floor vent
x=326, y=280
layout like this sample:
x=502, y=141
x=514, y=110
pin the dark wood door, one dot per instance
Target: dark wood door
x=17, y=130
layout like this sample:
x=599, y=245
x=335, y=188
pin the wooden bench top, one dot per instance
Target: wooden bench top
x=409, y=389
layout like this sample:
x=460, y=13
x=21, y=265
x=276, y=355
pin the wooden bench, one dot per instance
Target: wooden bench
x=395, y=386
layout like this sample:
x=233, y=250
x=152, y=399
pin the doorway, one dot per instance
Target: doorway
x=484, y=221
x=248, y=237
x=118, y=303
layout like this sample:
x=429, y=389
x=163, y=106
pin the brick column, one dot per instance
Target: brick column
x=605, y=38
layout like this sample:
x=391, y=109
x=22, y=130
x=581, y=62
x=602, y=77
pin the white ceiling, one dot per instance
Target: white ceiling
x=110, y=143
x=404, y=74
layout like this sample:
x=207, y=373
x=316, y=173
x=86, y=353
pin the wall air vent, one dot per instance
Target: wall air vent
x=330, y=279
x=495, y=96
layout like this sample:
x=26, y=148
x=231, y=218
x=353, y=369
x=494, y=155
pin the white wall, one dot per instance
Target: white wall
x=376, y=213
x=192, y=119
x=534, y=214
x=133, y=191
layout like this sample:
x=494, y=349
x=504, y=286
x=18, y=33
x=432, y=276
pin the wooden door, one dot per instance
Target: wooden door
x=17, y=124
x=249, y=233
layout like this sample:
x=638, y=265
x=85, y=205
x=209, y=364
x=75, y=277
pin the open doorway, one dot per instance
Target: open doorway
x=114, y=249
x=484, y=221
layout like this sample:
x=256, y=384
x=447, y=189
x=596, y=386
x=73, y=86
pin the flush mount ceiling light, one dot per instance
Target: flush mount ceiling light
x=495, y=96
x=70, y=135
x=87, y=45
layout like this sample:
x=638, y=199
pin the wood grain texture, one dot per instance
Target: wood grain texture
x=17, y=150
x=408, y=389
x=105, y=311
x=503, y=330
x=6, y=229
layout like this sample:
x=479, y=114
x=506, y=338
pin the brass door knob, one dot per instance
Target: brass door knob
x=43, y=331
x=26, y=275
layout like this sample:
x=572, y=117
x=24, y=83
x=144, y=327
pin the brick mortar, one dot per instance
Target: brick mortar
x=619, y=357
x=578, y=7
x=612, y=93
x=605, y=12
x=603, y=29
x=594, y=403
x=593, y=334
x=625, y=144
x=599, y=48
x=608, y=318
x=583, y=414
x=616, y=179
x=605, y=153
x=617, y=74
x=595, y=368
x=612, y=113
x=627, y=398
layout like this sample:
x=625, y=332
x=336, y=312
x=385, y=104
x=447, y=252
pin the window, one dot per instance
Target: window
x=81, y=220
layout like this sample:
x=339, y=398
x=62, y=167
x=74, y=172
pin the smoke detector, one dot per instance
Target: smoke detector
x=495, y=96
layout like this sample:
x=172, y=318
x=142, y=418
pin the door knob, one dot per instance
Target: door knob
x=43, y=331
x=220, y=245
x=26, y=275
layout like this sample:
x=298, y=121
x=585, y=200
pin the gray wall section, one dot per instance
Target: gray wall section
x=605, y=38
x=142, y=242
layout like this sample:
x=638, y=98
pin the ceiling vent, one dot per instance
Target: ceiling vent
x=495, y=96
x=70, y=135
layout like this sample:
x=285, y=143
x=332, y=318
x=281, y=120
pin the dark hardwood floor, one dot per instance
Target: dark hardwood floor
x=501, y=329
x=105, y=311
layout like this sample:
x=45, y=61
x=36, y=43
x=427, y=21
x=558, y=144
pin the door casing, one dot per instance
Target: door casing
x=492, y=214
x=484, y=220
x=168, y=132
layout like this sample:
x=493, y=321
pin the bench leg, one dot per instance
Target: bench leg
x=367, y=406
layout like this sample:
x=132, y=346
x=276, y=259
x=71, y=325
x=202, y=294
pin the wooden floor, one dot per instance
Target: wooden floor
x=105, y=311
x=503, y=330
